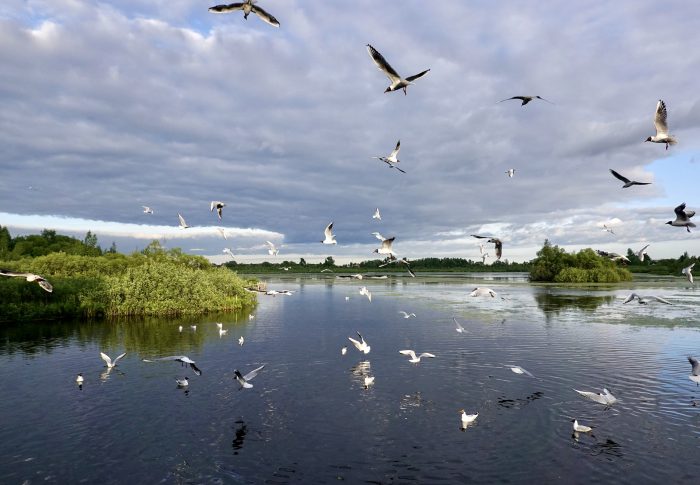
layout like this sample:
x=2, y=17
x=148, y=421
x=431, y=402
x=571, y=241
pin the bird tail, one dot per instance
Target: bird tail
x=672, y=140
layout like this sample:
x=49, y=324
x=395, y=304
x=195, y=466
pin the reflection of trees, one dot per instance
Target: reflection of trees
x=149, y=336
x=239, y=437
x=553, y=302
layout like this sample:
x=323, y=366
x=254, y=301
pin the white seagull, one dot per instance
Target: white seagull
x=241, y=341
x=243, y=379
x=218, y=205
x=510, y=172
x=364, y=291
x=460, y=328
x=695, y=374
x=184, y=382
x=413, y=358
x=378, y=236
x=642, y=252
x=222, y=231
x=328, y=233
x=109, y=361
x=643, y=300
x=386, y=247
x=397, y=82
x=247, y=6
x=343, y=351
x=79, y=380
x=600, y=397
x=147, y=210
x=228, y=251
x=687, y=271
x=467, y=419
x=483, y=292
x=628, y=182
x=392, y=159
x=179, y=328
x=498, y=244
x=377, y=215
x=272, y=250
x=360, y=345
x=579, y=428
x=183, y=224
x=608, y=229
x=682, y=218
x=179, y=358
x=222, y=332
x=407, y=315
x=661, y=126
x=32, y=278
x=369, y=381
x=525, y=99
x=519, y=370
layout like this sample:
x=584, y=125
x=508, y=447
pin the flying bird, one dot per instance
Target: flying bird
x=219, y=206
x=397, y=82
x=30, y=277
x=498, y=244
x=525, y=99
x=644, y=300
x=377, y=215
x=147, y=210
x=687, y=271
x=109, y=361
x=407, y=315
x=613, y=256
x=519, y=370
x=483, y=292
x=695, y=374
x=642, y=252
x=243, y=380
x=222, y=231
x=179, y=358
x=183, y=224
x=627, y=182
x=228, y=251
x=460, y=328
x=604, y=397
x=378, y=236
x=392, y=159
x=403, y=261
x=682, y=217
x=608, y=229
x=364, y=291
x=510, y=172
x=661, y=126
x=247, y=6
x=328, y=233
x=413, y=359
x=386, y=247
x=360, y=345
x=272, y=250
x=579, y=428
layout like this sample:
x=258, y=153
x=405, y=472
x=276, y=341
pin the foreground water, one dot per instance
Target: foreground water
x=309, y=419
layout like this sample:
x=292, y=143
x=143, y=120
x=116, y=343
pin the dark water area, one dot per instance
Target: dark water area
x=309, y=418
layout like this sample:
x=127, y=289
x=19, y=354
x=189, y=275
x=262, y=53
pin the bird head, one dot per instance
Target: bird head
x=648, y=139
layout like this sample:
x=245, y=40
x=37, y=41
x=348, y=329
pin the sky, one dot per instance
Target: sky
x=111, y=105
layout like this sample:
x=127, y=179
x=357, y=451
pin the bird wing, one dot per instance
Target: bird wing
x=272, y=246
x=328, y=231
x=45, y=284
x=410, y=271
x=619, y=177
x=499, y=247
x=660, y=119
x=253, y=373
x=631, y=297
x=481, y=237
x=459, y=325
x=211, y=206
x=410, y=353
x=357, y=344
x=416, y=76
x=395, y=151
x=170, y=357
x=383, y=65
x=680, y=211
x=264, y=16
x=386, y=243
x=378, y=236
x=526, y=372
x=522, y=98
x=403, y=313
x=397, y=168
x=119, y=358
x=696, y=365
x=426, y=354
x=182, y=220
x=106, y=358
x=231, y=7
x=660, y=300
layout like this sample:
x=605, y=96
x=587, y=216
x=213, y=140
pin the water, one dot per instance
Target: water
x=309, y=419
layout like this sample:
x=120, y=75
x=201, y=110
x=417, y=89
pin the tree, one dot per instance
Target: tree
x=302, y=262
x=113, y=248
x=329, y=262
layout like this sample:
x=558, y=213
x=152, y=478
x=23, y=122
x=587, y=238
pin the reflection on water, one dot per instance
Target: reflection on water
x=308, y=418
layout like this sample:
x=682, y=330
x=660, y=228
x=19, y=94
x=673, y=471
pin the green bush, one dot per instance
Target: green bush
x=555, y=264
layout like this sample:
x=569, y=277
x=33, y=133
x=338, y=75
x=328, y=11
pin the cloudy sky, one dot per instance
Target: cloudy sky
x=108, y=106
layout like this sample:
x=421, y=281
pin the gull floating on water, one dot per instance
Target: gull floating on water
x=30, y=277
x=397, y=82
x=661, y=126
x=179, y=328
x=628, y=182
x=369, y=380
x=600, y=397
x=247, y=6
x=147, y=210
x=642, y=252
x=377, y=215
x=272, y=249
x=219, y=206
x=386, y=247
x=392, y=159
x=687, y=271
x=178, y=358
x=109, y=361
x=682, y=218
x=183, y=224
x=328, y=233
x=241, y=341
x=519, y=370
x=579, y=428
x=413, y=358
x=407, y=315
x=222, y=332
x=510, y=172
x=243, y=380
x=483, y=292
x=184, y=382
x=193, y=327
x=79, y=379
x=498, y=244
x=460, y=328
x=695, y=374
x=364, y=291
x=360, y=345
x=525, y=99
x=467, y=419
x=343, y=351
x=643, y=300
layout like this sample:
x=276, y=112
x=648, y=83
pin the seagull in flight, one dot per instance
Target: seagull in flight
x=30, y=277
x=613, y=256
x=219, y=206
x=496, y=242
x=377, y=215
x=643, y=300
x=228, y=251
x=397, y=261
x=407, y=315
x=460, y=328
x=364, y=291
x=413, y=359
x=243, y=380
x=392, y=159
x=483, y=292
x=604, y=397
x=608, y=229
x=397, y=82
x=510, y=172
x=627, y=182
x=386, y=247
x=360, y=345
x=179, y=358
x=687, y=271
x=222, y=231
x=525, y=99
x=147, y=210
x=519, y=370
x=328, y=233
x=682, y=217
x=183, y=224
x=109, y=361
x=247, y=6
x=272, y=250
x=378, y=236
x=642, y=252
x=661, y=126
x=695, y=374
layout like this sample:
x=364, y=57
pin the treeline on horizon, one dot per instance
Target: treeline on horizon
x=88, y=282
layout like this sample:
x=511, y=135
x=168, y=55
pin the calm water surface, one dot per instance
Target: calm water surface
x=309, y=420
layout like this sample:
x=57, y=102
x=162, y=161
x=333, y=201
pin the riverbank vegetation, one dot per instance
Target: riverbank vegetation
x=554, y=264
